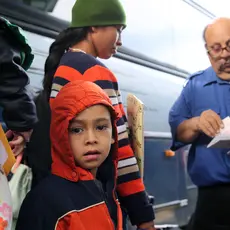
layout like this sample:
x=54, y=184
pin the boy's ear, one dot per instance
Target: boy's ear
x=113, y=140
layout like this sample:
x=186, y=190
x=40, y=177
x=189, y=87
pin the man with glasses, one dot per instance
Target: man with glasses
x=195, y=118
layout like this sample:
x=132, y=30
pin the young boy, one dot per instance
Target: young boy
x=80, y=192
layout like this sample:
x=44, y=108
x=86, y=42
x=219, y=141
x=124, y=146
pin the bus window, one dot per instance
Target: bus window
x=44, y=5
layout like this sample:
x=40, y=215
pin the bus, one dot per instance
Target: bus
x=161, y=47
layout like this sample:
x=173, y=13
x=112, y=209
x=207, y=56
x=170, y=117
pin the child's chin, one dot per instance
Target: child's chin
x=92, y=165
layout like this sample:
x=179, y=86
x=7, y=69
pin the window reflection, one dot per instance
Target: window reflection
x=158, y=91
x=218, y=8
x=44, y=5
x=149, y=28
x=188, y=48
x=169, y=31
x=166, y=30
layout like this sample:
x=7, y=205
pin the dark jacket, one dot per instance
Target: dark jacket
x=38, y=151
x=19, y=111
x=71, y=198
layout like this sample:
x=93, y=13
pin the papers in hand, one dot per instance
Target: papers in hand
x=135, y=112
x=3, y=154
x=222, y=140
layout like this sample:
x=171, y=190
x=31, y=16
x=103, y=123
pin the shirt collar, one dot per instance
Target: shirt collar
x=211, y=77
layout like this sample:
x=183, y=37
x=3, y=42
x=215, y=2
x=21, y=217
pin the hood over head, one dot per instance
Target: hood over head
x=72, y=99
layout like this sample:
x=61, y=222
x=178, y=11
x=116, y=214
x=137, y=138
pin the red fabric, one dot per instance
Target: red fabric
x=88, y=219
x=74, y=97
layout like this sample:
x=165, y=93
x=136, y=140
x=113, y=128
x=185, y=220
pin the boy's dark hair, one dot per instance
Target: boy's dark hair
x=63, y=42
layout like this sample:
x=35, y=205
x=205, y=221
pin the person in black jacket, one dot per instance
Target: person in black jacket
x=19, y=112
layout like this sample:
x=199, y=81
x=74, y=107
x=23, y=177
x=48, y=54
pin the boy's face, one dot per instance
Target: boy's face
x=90, y=136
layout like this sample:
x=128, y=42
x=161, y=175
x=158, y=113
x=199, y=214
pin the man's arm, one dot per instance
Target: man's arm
x=185, y=128
x=18, y=107
x=209, y=123
x=183, y=125
x=188, y=130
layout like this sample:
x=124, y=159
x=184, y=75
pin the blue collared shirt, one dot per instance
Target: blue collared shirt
x=203, y=91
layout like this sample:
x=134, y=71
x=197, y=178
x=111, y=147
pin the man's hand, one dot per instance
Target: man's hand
x=210, y=123
x=147, y=226
x=17, y=144
x=18, y=140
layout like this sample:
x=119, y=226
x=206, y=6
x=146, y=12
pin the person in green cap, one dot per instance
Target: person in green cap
x=95, y=31
x=19, y=111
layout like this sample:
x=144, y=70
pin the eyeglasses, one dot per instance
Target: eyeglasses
x=216, y=50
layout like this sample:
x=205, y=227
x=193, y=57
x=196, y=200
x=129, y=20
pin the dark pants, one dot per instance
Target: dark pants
x=212, y=209
x=125, y=219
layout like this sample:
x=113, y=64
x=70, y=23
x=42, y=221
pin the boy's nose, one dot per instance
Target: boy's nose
x=91, y=137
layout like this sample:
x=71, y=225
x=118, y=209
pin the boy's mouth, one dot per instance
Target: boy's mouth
x=92, y=155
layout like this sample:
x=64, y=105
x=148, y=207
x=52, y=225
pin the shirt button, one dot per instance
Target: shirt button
x=74, y=174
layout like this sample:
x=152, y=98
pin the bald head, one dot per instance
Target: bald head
x=217, y=39
x=217, y=27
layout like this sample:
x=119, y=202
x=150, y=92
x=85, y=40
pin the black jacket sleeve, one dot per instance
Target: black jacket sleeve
x=39, y=210
x=40, y=161
x=19, y=112
x=31, y=215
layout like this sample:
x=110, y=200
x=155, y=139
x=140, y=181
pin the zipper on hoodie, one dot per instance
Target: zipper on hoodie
x=104, y=197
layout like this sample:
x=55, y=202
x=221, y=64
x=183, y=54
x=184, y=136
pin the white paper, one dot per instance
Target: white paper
x=6, y=211
x=3, y=154
x=222, y=139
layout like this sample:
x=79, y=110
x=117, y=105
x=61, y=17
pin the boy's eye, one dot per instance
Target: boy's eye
x=76, y=130
x=102, y=127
